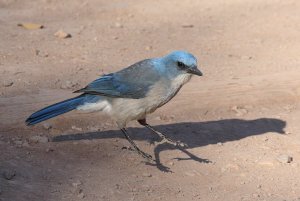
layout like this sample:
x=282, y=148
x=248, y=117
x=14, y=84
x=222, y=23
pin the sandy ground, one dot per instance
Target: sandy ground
x=240, y=121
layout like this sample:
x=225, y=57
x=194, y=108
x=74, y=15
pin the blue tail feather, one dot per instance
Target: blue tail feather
x=55, y=110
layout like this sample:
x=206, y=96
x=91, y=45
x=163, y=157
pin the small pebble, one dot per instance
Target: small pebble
x=31, y=26
x=49, y=150
x=148, y=48
x=118, y=25
x=287, y=133
x=147, y=175
x=76, y=128
x=81, y=195
x=239, y=111
x=171, y=163
x=187, y=26
x=62, y=34
x=284, y=158
x=68, y=85
x=47, y=126
x=38, y=139
x=8, y=83
x=246, y=57
x=76, y=184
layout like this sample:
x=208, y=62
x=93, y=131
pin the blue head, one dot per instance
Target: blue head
x=181, y=62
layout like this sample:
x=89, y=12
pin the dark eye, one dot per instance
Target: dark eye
x=180, y=64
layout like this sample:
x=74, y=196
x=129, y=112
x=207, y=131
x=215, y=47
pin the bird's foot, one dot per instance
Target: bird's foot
x=181, y=144
x=143, y=154
x=174, y=143
x=146, y=156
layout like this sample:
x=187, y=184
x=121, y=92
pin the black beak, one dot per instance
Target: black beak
x=194, y=71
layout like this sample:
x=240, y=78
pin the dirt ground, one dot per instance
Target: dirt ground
x=240, y=120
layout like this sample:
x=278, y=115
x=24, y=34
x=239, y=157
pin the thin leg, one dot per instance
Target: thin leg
x=164, y=137
x=143, y=154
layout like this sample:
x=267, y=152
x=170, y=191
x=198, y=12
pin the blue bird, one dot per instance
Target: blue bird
x=131, y=93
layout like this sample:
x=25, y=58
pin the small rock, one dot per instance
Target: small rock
x=9, y=174
x=76, y=128
x=81, y=195
x=148, y=48
x=31, y=26
x=38, y=139
x=49, y=150
x=42, y=54
x=37, y=52
x=47, y=126
x=147, y=175
x=118, y=25
x=68, y=85
x=220, y=143
x=284, y=158
x=76, y=184
x=240, y=111
x=187, y=26
x=246, y=57
x=77, y=190
x=287, y=132
x=171, y=163
x=8, y=83
x=62, y=34
x=93, y=128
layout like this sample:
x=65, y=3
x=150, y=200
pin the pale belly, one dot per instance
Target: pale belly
x=124, y=110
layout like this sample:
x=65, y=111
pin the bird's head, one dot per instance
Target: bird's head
x=182, y=62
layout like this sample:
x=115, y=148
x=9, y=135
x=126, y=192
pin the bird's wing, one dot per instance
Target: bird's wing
x=132, y=82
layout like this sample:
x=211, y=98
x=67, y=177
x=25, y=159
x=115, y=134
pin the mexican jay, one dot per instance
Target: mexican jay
x=131, y=93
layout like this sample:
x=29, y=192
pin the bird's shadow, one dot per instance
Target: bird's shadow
x=193, y=134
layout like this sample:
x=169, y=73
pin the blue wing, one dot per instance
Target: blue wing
x=132, y=82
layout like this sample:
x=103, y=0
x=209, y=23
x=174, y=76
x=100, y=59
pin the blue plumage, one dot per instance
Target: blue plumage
x=132, y=82
x=130, y=94
x=60, y=108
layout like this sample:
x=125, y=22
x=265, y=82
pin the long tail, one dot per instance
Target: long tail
x=55, y=110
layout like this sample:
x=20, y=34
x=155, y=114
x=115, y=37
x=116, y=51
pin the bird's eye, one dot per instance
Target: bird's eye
x=180, y=64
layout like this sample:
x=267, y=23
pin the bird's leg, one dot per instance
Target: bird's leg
x=164, y=137
x=143, y=154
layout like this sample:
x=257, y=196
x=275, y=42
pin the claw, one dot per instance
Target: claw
x=181, y=144
x=146, y=156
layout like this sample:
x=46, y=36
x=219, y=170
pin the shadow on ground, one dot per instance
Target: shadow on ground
x=193, y=134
